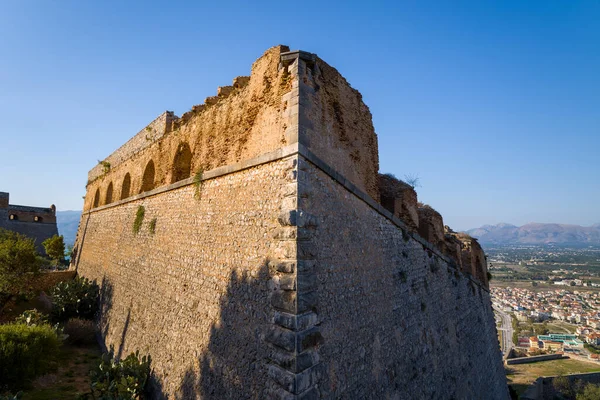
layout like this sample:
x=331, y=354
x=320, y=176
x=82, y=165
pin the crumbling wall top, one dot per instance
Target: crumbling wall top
x=141, y=140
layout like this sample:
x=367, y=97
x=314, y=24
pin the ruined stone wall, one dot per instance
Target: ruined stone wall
x=143, y=139
x=243, y=121
x=195, y=293
x=395, y=317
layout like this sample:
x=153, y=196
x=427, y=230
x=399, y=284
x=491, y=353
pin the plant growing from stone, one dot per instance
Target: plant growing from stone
x=139, y=219
x=152, y=226
x=105, y=166
x=198, y=183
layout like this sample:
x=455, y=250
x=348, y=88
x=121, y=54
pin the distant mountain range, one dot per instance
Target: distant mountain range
x=535, y=233
x=68, y=222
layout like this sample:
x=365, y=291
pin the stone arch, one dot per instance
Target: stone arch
x=97, y=198
x=126, y=186
x=182, y=163
x=148, y=178
x=109, y=194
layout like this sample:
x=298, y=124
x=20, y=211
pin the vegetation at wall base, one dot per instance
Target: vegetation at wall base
x=125, y=379
x=32, y=318
x=80, y=331
x=25, y=352
x=78, y=298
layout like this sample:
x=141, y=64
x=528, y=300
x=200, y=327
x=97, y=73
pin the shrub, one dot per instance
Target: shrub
x=125, y=379
x=32, y=318
x=25, y=352
x=80, y=331
x=75, y=299
x=562, y=385
x=17, y=260
x=55, y=248
x=10, y=396
x=589, y=392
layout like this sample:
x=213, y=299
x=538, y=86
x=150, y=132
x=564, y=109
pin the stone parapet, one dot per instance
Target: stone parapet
x=400, y=199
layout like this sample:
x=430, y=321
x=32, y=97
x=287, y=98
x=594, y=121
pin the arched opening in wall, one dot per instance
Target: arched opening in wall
x=13, y=217
x=38, y=219
x=97, y=198
x=126, y=186
x=109, y=194
x=182, y=163
x=148, y=178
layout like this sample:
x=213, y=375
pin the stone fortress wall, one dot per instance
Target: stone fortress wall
x=38, y=223
x=272, y=260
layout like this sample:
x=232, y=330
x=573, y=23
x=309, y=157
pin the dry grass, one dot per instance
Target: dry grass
x=522, y=375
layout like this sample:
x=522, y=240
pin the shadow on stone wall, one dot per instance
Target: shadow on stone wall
x=233, y=365
x=106, y=304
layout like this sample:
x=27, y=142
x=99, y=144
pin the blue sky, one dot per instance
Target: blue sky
x=495, y=105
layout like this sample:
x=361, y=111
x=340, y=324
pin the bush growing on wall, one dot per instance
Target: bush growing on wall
x=77, y=298
x=139, y=218
x=25, y=352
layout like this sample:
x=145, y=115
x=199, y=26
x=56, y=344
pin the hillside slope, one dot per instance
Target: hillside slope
x=67, y=222
x=537, y=233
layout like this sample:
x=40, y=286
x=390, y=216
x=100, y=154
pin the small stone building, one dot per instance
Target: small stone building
x=38, y=223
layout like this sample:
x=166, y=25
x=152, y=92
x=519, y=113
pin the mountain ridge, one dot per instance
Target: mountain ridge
x=67, y=222
x=537, y=233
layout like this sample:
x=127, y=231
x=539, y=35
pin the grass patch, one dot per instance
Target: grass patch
x=522, y=375
x=71, y=378
x=152, y=226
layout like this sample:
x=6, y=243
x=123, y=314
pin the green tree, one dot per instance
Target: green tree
x=590, y=392
x=55, y=248
x=562, y=385
x=17, y=260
